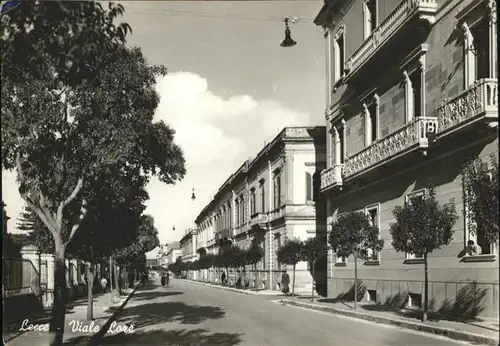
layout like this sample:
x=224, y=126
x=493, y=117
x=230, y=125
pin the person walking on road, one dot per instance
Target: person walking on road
x=163, y=279
x=167, y=278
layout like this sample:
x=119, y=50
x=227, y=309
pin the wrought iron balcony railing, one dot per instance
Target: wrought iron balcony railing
x=415, y=135
x=479, y=101
x=332, y=177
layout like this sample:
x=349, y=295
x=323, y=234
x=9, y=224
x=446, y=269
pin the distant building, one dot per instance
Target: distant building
x=272, y=198
x=412, y=95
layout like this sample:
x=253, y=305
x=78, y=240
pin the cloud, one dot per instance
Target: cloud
x=216, y=135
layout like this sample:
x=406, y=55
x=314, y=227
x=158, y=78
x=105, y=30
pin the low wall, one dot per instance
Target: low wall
x=459, y=298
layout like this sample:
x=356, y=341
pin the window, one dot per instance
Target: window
x=237, y=216
x=373, y=213
x=338, y=56
x=340, y=260
x=341, y=145
x=253, y=201
x=277, y=189
x=477, y=236
x=371, y=295
x=369, y=17
x=414, y=300
x=413, y=94
x=371, y=121
x=262, y=196
x=479, y=55
x=409, y=198
x=309, y=187
x=242, y=210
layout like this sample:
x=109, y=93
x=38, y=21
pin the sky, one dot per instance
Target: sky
x=230, y=89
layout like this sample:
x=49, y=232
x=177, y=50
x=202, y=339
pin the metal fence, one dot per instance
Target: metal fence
x=20, y=276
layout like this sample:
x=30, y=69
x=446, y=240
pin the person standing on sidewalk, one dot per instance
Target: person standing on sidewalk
x=285, y=283
x=104, y=284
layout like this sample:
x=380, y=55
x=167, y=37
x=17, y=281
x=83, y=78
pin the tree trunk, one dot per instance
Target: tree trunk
x=111, y=276
x=90, y=286
x=256, y=276
x=118, y=279
x=56, y=328
x=293, y=282
x=426, y=290
x=313, y=280
x=355, y=281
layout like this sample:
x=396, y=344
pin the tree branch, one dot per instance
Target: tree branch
x=75, y=192
x=83, y=212
x=33, y=206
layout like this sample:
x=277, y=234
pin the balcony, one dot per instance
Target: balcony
x=471, y=109
x=258, y=220
x=415, y=136
x=332, y=177
x=406, y=10
x=277, y=214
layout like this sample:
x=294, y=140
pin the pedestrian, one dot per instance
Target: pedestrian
x=285, y=283
x=104, y=284
x=223, y=278
x=167, y=278
x=163, y=279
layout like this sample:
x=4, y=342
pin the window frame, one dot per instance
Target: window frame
x=369, y=18
x=367, y=209
x=468, y=20
x=369, y=126
x=338, y=57
x=277, y=189
x=262, y=188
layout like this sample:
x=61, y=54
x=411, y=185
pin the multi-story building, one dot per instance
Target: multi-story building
x=411, y=96
x=188, y=248
x=273, y=197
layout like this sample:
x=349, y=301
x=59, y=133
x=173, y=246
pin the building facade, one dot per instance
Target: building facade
x=188, y=249
x=272, y=198
x=435, y=108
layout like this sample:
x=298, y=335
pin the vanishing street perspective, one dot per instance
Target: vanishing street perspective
x=250, y=173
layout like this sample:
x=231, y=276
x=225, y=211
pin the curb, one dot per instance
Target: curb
x=450, y=333
x=222, y=287
x=96, y=338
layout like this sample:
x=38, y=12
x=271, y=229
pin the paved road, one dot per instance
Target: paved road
x=189, y=314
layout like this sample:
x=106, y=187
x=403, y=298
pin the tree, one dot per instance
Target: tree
x=481, y=192
x=254, y=255
x=291, y=254
x=423, y=226
x=76, y=105
x=313, y=250
x=353, y=234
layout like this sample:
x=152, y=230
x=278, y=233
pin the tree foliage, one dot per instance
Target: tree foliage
x=254, y=254
x=481, y=193
x=423, y=225
x=291, y=252
x=353, y=234
x=314, y=249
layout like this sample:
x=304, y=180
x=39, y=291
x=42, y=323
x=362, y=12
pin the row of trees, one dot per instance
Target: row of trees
x=77, y=127
x=229, y=256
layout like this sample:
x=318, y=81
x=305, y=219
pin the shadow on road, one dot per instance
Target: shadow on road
x=156, y=313
x=177, y=337
x=154, y=295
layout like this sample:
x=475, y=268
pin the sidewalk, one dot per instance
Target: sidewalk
x=77, y=327
x=234, y=289
x=481, y=331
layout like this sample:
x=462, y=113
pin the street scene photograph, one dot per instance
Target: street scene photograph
x=250, y=173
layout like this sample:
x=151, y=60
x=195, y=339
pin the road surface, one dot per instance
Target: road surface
x=190, y=314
